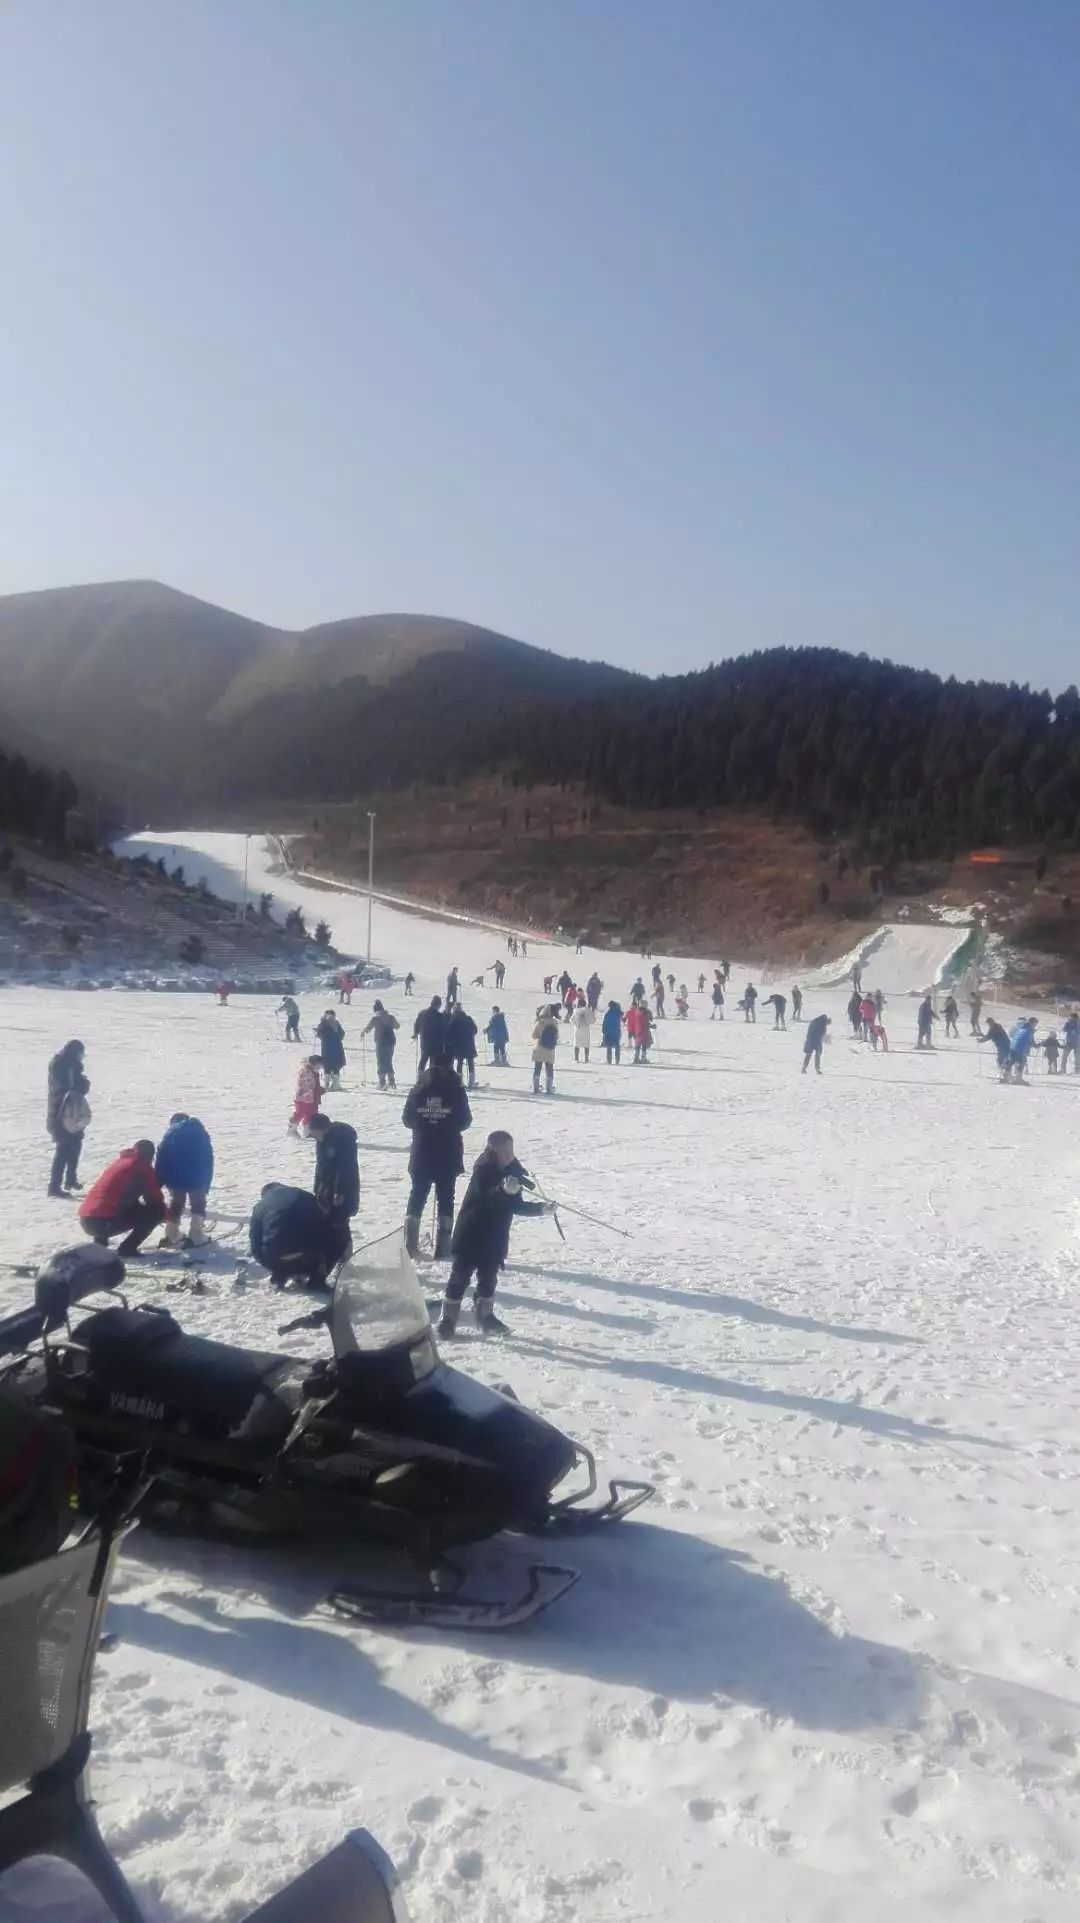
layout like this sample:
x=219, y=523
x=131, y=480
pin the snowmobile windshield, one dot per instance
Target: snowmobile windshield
x=378, y=1305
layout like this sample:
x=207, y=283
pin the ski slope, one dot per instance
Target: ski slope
x=833, y=1672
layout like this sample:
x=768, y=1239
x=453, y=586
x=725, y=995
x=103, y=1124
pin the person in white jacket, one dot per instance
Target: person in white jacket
x=584, y=1021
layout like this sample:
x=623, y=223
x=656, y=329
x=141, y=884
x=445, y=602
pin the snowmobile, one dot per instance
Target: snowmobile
x=381, y=1442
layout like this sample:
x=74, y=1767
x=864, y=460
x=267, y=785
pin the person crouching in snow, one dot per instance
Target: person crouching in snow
x=545, y=1041
x=481, y=1239
x=125, y=1200
x=184, y=1165
x=308, y=1095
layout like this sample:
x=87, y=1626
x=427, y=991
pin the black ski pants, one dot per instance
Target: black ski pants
x=134, y=1223
x=751, y=1012
x=814, y=1055
x=466, y=1068
x=65, y=1162
x=384, y=1065
x=422, y=1186
x=292, y=1029
x=461, y=1274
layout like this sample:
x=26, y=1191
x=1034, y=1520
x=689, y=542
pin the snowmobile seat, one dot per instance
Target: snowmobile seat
x=354, y=1883
x=145, y=1354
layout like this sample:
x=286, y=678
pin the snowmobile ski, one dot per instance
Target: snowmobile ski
x=548, y=1583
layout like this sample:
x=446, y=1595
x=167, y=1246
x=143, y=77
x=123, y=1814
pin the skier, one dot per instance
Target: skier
x=993, y=1032
x=308, y=1094
x=878, y=1037
x=749, y=1003
x=594, y=988
x=125, y=1200
x=1071, y=1034
x=223, y=991
x=854, y=1014
x=778, y=1003
x=856, y=978
x=500, y=974
x=331, y=1037
x=1021, y=1043
x=461, y=1042
x=975, y=1003
x=926, y=1020
x=184, y=1165
x=814, y=1042
x=564, y=984
x=640, y=1030
x=410, y=982
x=1051, y=1047
x=701, y=984
x=452, y=985
x=337, y=1172
x=294, y=1238
x=952, y=1014
x=869, y=1015
x=429, y=1030
x=384, y=1026
x=481, y=1239
x=67, y=1116
x=796, y=1003
x=611, y=1033
x=498, y=1035
x=658, y=997
x=291, y=1012
x=346, y=985
x=637, y=993
x=545, y=1041
x=717, y=999
x=437, y=1112
x=584, y=1021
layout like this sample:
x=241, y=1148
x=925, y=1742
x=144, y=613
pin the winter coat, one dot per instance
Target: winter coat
x=1021, y=1041
x=308, y=1085
x=815, y=1033
x=546, y=1039
x=185, y=1156
x=430, y=1030
x=337, y=1169
x=584, y=1023
x=497, y=1032
x=385, y=1028
x=287, y=1224
x=332, y=1042
x=129, y=1179
x=717, y=995
x=927, y=1017
x=437, y=1110
x=1002, y=1046
x=1070, y=1030
x=461, y=1037
x=611, y=1026
x=639, y=1026
x=482, y=1231
x=594, y=989
x=65, y=1078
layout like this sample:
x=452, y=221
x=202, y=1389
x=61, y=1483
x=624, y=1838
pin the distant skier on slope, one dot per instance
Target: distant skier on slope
x=701, y=984
x=925, y=1020
x=749, y=1003
x=778, y=1004
x=717, y=999
x=975, y=1003
x=289, y=1008
x=796, y=1003
x=410, y=982
x=814, y=1042
x=952, y=1017
x=481, y=1239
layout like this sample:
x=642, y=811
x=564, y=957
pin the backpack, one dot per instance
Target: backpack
x=75, y=1112
x=549, y=1036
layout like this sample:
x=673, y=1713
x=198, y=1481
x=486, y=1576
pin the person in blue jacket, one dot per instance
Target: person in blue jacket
x=184, y=1165
x=1021, y=1043
x=611, y=1032
x=499, y=1036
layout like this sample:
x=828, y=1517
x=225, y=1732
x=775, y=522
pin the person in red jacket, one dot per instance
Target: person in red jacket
x=640, y=1030
x=126, y=1200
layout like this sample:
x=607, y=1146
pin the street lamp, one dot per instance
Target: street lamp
x=370, y=877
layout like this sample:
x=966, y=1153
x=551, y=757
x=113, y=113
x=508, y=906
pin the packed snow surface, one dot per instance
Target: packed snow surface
x=832, y=1673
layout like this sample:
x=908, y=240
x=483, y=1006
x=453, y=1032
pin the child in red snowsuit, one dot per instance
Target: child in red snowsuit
x=308, y=1095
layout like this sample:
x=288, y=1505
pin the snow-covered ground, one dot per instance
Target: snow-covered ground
x=832, y=1673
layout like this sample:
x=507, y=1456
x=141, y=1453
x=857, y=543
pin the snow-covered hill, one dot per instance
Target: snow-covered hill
x=831, y=1673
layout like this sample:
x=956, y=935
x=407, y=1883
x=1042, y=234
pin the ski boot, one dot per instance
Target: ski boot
x=487, y=1321
x=412, y=1236
x=170, y=1236
x=196, y=1237
x=448, y=1321
x=442, y=1238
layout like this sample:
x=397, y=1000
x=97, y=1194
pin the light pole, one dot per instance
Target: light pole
x=370, y=876
x=243, y=907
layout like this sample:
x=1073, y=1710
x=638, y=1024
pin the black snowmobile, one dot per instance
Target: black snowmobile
x=381, y=1442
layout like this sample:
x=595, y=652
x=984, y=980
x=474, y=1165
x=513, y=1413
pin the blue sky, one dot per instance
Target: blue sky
x=647, y=329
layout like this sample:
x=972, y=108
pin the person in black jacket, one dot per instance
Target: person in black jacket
x=814, y=1042
x=429, y=1030
x=437, y=1111
x=481, y=1240
x=292, y=1236
x=337, y=1169
x=331, y=1038
x=461, y=1042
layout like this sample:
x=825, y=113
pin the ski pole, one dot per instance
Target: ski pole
x=594, y=1219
